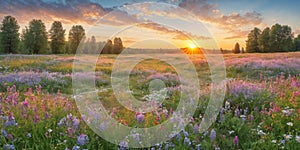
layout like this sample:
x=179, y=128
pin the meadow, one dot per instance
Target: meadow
x=261, y=109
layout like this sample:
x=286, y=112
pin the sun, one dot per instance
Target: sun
x=192, y=46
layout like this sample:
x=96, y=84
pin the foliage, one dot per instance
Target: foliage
x=252, y=45
x=35, y=37
x=9, y=35
x=297, y=43
x=57, y=36
x=76, y=34
x=281, y=38
x=236, y=49
x=264, y=41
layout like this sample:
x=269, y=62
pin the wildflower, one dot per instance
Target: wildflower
x=298, y=138
x=187, y=141
x=185, y=133
x=198, y=147
x=213, y=134
x=196, y=129
x=9, y=147
x=76, y=123
x=260, y=132
x=4, y=133
x=290, y=124
x=123, y=145
x=139, y=117
x=46, y=115
x=76, y=147
x=236, y=141
x=274, y=141
x=28, y=135
x=287, y=137
x=25, y=103
x=82, y=139
x=49, y=130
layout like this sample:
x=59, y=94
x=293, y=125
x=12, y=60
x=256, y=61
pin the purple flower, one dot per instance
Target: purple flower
x=9, y=147
x=76, y=123
x=4, y=133
x=187, y=141
x=82, y=139
x=213, y=134
x=139, y=117
x=196, y=129
x=76, y=147
x=236, y=141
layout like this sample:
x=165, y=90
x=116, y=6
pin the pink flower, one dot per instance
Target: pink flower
x=236, y=141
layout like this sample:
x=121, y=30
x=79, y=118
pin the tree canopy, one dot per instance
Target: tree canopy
x=35, y=37
x=57, y=36
x=9, y=35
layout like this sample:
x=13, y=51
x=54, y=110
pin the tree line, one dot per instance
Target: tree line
x=35, y=39
x=278, y=38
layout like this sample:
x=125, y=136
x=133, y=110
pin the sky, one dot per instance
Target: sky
x=204, y=23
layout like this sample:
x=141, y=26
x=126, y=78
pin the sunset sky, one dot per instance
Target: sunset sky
x=226, y=21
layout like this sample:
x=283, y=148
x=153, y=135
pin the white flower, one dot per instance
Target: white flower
x=260, y=132
x=287, y=136
x=290, y=124
x=298, y=138
x=49, y=130
x=230, y=132
x=273, y=141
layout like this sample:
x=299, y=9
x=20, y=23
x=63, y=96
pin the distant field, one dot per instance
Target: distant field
x=261, y=107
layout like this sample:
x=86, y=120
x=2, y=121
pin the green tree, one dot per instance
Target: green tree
x=108, y=47
x=297, y=43
x=252, y=45
x=281, y=38
x=57, y=36
x=236, y=49
x=35, y=37
x=76, y=34
x=264, y=41
x=118, y=46
x=9, y=35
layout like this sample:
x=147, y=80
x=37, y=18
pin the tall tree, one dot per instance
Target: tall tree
x=252, y=45
x=281, y=38
x=264, y=41
x=76, y=34
x=108, y=47
x=118, y=46
x=9, y=34
x=236, y=49
x=57, y=36
x=93, y=45
x=35, y=37
x=297, y=43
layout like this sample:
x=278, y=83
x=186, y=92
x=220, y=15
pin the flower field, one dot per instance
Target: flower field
x=261, y=109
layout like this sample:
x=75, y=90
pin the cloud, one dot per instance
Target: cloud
x=177, y=34
x=233, y=23
x=65, y=11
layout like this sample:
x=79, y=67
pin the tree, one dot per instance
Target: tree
x=35, y=37
x=76, y=34
x=57, y=36
x=297, y=43
x=264, y=41
x=281, y=38
x=243, y=50
x=252, y=45
x=107, y=49
x=118, y=46
x=9, y=35
x=93, y=45
x=236, y=49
